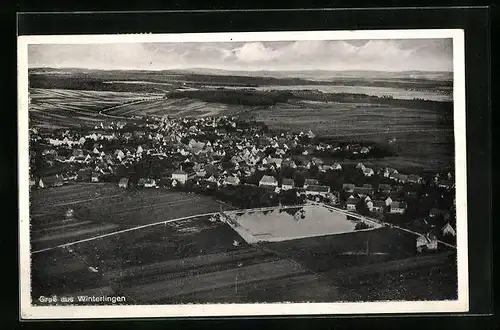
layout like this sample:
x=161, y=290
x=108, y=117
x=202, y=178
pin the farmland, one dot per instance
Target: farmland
x=102, y=208
x=379, y=264
x=417, y=132
x=183, y=107
x=187, y=261
x=196, y=261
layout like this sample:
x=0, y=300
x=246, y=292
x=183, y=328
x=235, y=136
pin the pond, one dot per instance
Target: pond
x=291, y=223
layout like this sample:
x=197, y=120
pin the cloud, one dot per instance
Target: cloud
x=385, y=55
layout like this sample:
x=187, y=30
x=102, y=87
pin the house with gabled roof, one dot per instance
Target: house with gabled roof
x=268, y=181
x=398, y=177
x=337, y=167
x=448, y=230
x=123, y=183
x=351, y=204
x=413, y=178
x=231, y=181
x=363, y=191
x=378, y=206
x=367, y=171
x=348, y=187
x=95, y=176
x=360, y=166
x=427, y=242
x=398, y=207
x=287, y=184
x=50, y=181
x=317, y=190
x=384, y=188
x=309, y=182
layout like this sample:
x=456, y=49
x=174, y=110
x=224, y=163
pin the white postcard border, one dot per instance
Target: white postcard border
x=28, y=311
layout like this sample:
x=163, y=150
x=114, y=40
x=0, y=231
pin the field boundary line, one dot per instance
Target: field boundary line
x=121, y=232
x=85, y=200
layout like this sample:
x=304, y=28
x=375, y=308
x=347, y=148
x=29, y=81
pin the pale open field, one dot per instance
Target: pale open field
x=55, y=108
x=288, y=224
x=183, y=107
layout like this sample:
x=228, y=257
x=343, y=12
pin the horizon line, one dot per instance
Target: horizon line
x=242, y=70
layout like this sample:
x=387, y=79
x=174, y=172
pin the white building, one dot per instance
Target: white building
x=180, y=176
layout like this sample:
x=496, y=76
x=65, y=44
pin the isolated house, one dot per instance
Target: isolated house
x=427, y=242
x=123, y=183
x=95, y=177
x=50, y=181
x=287, y=184
x=268, y=181
x=448, y=230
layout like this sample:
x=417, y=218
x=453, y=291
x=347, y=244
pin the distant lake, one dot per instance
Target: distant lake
x=397, y=93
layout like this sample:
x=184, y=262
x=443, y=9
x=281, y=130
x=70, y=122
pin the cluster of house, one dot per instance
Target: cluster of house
x=214, y=151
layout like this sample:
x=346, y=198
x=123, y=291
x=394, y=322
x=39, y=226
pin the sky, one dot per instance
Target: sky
x=337, y=55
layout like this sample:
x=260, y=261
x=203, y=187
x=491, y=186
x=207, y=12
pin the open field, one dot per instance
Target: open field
x=196, y=260
x=187, y=261
x=182, y=107
x=292, y=223
x=325, y=253
x=55, y=108
x=423, y=138
x=102, y=208
x=380, y=264
x=396, y=92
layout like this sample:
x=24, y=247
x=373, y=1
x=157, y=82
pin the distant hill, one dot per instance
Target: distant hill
x=45, y=77
x=303, y=74
x=326, y=74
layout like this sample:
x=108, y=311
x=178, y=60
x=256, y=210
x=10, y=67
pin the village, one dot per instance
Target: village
x=246, y=165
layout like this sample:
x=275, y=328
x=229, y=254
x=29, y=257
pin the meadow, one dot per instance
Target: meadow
x=422, y=138
x=99, y=208
x=57, y=108
x=189, y=261
x=182, y=107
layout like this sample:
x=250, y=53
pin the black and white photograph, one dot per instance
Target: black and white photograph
x=268, y=173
